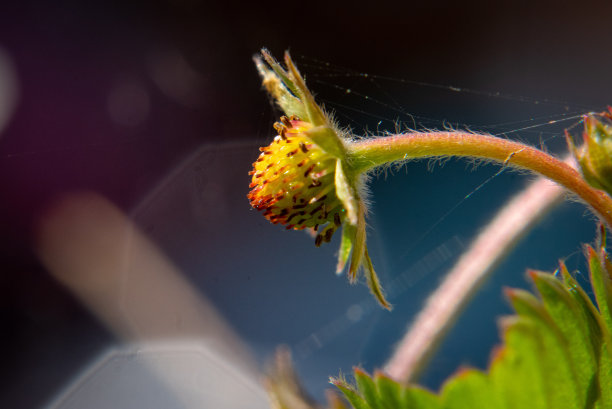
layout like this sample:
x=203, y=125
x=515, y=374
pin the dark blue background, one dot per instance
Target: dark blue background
x=273, y=286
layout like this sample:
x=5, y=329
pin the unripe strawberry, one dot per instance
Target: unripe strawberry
x=294, y=182
x=304, y=178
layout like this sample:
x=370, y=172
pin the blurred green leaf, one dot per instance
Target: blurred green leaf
x=569, y=319
x=602, y=287
x=605, y=378
x=468, y=389
x=556, y=353
x=391, y=392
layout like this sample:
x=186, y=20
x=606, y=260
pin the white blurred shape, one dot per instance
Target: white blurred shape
x=354, y=312
x=9, y=89
x=128, y=103
x=162, y=376
x=175, y=77
x=96, y=252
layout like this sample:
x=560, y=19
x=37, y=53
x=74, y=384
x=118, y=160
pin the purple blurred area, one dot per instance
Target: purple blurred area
x=111, y=96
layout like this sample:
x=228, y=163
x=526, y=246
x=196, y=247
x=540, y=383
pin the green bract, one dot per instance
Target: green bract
x=304, y=179
x=595, y=157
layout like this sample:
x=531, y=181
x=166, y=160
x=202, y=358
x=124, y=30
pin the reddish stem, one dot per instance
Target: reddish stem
x=370, y=153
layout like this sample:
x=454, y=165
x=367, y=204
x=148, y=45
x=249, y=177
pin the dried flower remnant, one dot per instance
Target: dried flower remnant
x=303, y=179
x=595, y=156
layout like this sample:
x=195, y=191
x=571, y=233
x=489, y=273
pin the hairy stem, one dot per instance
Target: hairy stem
x=370, y=153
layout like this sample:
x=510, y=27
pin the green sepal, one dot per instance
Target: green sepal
x=295, y=99
x=345, y=190
x=595, y=156
x=600, y=150
x=359, y=244
x=313, y=112
x=596, y=164
x=592, y=178
x=346, y=245
x=373, y=282
x=328, y=140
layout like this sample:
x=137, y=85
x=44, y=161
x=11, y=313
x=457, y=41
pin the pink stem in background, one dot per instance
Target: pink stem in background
x=470, y=271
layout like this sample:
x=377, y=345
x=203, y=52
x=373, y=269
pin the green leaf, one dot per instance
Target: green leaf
x=390, y=392
x=416, y=397
x=569, y=318
x=515, y=374
x=556, y=353
x=602, y=286
x=384, y=393
x=605, y=377
x=589, y=312
x=525, y=303
x=469, y=389
x=368, y=389
x=350, y=393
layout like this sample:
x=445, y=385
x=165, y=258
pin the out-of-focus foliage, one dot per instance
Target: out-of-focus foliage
x=557, y=353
